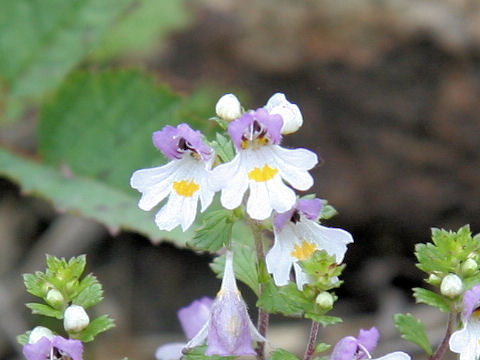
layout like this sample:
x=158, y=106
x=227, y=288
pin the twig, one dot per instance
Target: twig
x=438, y=354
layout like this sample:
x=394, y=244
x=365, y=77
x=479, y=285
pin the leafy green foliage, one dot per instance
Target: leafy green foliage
x=91, y=293
x=276, y=299
x=323, y=269
x=216, y=231
x=23, y=338
x=44, y=40
x=433, y=299
x=328, y=211
x=45, y=310
x=89, y=198
x=223, y=148
x=97, y=326
x=322, y=347
x=198, y=353
x=413, y=330
x=281, y=354
x=244, y=264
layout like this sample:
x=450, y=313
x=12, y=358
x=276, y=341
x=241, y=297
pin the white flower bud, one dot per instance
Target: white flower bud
x=39, y=332
x=324, y=300
x=290, y=113
x=434, y=279
x=228, y=107
x=469, y=267
x=55, y=298
x=75, y=319
x=451, y=285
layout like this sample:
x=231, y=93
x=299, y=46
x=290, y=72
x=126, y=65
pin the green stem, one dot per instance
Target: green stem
x=438, y=354
x=312, y=341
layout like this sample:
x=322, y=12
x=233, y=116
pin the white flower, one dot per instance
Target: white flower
x=184, y=179
x=297, y=237
x=262, y=166
x=39, y=332
x=228, y=107
x=451, y=285
x=75, y=318
x=290, y=113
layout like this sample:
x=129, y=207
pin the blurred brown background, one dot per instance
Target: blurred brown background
x=390, y=93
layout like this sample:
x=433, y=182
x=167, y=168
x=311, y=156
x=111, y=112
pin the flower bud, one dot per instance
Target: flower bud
x=290, y=113
x=228, y=107
x=469, y=267
x=451, y=285
x=39, y=332
x=55, y=298
x=75, y=319
x=324, y=300
x=434, y=279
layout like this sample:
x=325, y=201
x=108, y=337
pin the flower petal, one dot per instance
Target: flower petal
x=397, y=355
x=345, y=349
x=73, y=348
x=471, y=300
x=194, y=316
x=39, y=350
x=171, y=351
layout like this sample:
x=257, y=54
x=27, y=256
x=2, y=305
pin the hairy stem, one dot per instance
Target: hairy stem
x=438, y=354
x=262, y=322
x=312, y=341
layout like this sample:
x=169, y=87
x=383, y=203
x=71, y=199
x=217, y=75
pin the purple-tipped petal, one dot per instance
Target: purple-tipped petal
x=311, y=208
x=272, y=122
x=368, y=339
x=280, y=220
x=345, y=349
x=174, y=141
x=237, y=128
x=39, y=350
x=194, y=316
x=471, y=300
x=73, y=348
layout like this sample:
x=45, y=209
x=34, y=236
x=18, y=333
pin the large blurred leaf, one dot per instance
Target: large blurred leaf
x=101, y=124
x=143, y=29
x=85, y=197
x=42, y=40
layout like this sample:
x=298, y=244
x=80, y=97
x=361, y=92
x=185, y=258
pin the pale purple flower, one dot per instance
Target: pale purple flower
x=229, y=330
x=46, y=348
x=361, y=347
x=466, y=340
x=262, y=166
x=192, y=318
x=184, y=179
x=297, y=236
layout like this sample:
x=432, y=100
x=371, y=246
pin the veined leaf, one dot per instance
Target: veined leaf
x=413, y=330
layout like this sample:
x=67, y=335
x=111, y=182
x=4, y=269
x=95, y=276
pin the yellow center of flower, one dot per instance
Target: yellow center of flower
x=186, y=187
x=262, y=174
x=304, y=251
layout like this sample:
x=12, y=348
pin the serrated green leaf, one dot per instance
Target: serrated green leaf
x=223, y=148
x=325, y=320
x=23, y=339
x=85, y=197
x=76, y=266
x=35, y=284
x=147, y=24
x=328, y=211
x=198, y=353
x=55, y=264
x=89, y=296
x=321, y=347
x=97, y=326
x=215, y=232
x=430, y=298
x=276, y=300
x=413, y=330
x=46, y=310
x=45, y=39
x=244, y=264
x=281, y=354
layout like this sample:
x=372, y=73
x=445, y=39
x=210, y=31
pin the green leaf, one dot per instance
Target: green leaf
x=328, y=211
x=198, y=353
x=277, y=300
x=215, y=232
x=90, y=295
x=144, y=28
x=322, y=347
x=430, y=298
x=325, y=320
x=23, y=339
x=85, y=197
x=281, y=354
x=35, y=284
x=45, y=39
x=223, y=148
x=244, y=264
x=97, y=326
x=76, y=266
x=413, y=330
x=42, y=309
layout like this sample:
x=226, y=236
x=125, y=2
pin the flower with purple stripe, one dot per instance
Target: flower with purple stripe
x=184, y=179
x=466, y=341
x=229, y=330
x=47, y=346
x=262, y=166
x=297, y=236
x=361, y=347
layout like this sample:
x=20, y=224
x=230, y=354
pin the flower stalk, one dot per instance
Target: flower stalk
x=312, y=341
